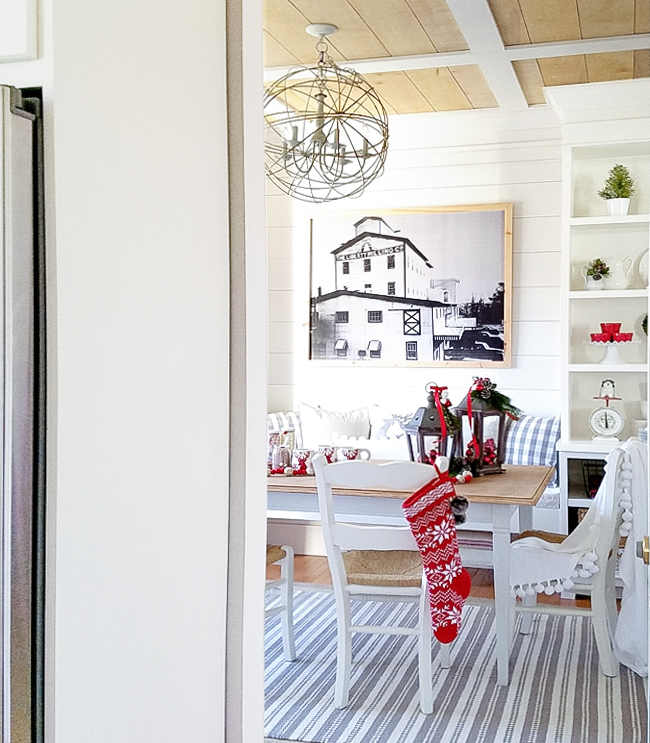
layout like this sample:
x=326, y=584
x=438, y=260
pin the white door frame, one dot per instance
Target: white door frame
x=248, y=395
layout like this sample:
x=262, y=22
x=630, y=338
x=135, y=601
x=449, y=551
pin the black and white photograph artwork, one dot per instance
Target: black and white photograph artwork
x=426, y=287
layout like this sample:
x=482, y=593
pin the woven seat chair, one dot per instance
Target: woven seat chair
x=283, y=556
x=597, y=536
x=375, y=563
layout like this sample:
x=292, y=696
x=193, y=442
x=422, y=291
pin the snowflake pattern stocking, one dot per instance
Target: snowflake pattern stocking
x=432, y=523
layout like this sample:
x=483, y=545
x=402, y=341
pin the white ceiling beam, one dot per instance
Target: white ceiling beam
x=511, y=53
x=390, y=64
x=581, y=46
x=479, y=28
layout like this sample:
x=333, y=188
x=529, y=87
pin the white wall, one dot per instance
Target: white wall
x=138, y=278
x=435, y=159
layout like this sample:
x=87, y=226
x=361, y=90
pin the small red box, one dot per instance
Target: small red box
x=601, y=337
x=622, y=337
x=610, y=327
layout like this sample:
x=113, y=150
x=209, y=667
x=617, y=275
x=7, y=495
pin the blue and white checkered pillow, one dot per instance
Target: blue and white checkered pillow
x=532, y=440
x=279, y=422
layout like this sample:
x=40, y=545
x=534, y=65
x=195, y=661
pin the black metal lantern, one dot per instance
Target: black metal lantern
x=429, y=423
x=485, y=411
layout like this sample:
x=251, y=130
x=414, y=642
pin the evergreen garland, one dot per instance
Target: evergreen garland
x=486, y=391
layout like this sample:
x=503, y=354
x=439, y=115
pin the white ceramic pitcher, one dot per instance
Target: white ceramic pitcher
x=619, y=273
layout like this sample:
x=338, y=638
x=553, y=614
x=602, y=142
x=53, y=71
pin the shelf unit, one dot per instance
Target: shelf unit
x=588, y=234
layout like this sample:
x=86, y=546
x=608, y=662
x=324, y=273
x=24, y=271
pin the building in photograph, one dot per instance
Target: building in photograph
x=388, y=304
x=380, y=261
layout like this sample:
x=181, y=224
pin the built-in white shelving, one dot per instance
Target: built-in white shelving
x=609, y=294
x=589, y=233
x=628, y=219
x=608, y=368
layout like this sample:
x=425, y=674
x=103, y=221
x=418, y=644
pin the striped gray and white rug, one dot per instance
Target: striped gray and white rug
x=556, y=693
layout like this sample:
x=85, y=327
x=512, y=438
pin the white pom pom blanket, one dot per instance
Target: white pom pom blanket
x=631, y=635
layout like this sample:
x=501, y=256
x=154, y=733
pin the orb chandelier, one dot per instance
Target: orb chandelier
x=326, y=129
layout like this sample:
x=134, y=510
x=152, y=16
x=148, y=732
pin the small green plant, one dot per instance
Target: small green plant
x=597, y=269
x=619, y=184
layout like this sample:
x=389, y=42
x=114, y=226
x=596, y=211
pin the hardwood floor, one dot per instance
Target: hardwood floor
x=313, y=569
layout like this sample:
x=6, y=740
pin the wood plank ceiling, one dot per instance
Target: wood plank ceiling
x=433, y=55
x=534, y=22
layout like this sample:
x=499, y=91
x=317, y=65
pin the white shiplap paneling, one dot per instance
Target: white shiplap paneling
x=536, y=234
x=485, y=161
x=536, y=269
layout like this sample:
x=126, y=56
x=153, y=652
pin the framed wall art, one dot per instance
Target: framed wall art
x=426, y=287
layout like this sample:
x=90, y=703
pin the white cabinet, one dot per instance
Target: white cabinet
x=589, y=234
x=578, y=472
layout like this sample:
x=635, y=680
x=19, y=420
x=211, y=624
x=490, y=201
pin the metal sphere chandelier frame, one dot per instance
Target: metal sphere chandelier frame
x=326, y=129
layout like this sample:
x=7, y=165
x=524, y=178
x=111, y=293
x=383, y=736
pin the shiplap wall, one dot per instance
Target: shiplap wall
x=435, y=160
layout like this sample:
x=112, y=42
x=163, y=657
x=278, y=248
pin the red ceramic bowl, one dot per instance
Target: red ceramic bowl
x=610, y=327
x=601, y=337
x=622, y=337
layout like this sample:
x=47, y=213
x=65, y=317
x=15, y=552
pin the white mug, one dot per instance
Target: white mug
x=352, y=452
x=329, y=452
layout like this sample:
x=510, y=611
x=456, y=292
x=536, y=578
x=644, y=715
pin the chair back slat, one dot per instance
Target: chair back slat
x=409, y=476
x=362, y=537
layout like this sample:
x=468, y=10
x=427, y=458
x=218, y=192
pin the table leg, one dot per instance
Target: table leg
x=501, y=557
x=525, y=518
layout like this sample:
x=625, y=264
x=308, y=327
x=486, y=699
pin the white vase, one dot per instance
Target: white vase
x=617, y=207
x=619, y=273
x=643, y=268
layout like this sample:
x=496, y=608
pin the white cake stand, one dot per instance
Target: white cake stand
x=612, y=355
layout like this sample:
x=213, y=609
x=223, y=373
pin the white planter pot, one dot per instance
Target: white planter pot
x=617, y=207
x=592, y=285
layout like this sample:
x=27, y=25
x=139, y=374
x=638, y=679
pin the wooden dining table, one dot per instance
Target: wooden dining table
x=518, y=487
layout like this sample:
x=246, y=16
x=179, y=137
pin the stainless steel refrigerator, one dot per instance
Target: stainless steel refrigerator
x=22, y=433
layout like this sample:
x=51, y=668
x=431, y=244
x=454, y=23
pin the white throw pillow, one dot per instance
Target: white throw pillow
x=323, y=426
x=385, y=424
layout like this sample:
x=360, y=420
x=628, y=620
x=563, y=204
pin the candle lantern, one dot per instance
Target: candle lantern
x=480, y=437
x=431, y=426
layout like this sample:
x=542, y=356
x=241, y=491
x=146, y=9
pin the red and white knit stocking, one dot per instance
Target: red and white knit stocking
x=432, y=523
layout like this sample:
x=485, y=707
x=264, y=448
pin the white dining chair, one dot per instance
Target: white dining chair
x=583, y=562
x=284, y=557
x=375, y=563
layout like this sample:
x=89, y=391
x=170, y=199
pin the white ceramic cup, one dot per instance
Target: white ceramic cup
x=300, y=458
x=329, y=452
x=352, y=452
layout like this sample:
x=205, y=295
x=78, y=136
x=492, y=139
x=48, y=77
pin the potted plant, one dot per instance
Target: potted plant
x=594, y=274
x=619, y=187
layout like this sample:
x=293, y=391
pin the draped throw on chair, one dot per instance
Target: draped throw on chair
x=631, y=635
